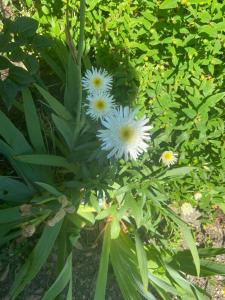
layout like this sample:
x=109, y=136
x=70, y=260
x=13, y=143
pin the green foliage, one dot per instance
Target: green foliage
x=167, y=59
x=19, y=45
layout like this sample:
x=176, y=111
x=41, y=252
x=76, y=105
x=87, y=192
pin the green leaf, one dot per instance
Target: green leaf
x=168, y=4
x=124, y=263
x=49, y=188
x=33, y=123
x=177, y=172
x=64, y=128
x=62, y=280
x=27, y=172
x=163, y=285
x=8, y=215
x=189, y=240
x=46, y=160
x=13, y=136
x=14, y=190
x=55, y=105
x=103, y=268
x=142, y=261
x=35, y=260
x=72, y=85
x=70, y=292
x=188, y=291
x=211, y=102
x=183, y=261
x=22, y=25
x=115, y=228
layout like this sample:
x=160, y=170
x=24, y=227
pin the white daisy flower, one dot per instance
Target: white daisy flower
x=124, y=136
x=95, y=80
x=168, y=158
x=100, y=105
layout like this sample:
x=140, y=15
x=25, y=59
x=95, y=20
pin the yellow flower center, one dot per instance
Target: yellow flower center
x=168, y=155
x=97, y=81
x=127, y=134
x=100, y=104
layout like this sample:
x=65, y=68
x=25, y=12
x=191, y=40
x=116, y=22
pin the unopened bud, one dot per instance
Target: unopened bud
x=28, y=231
x=63, y=200
x=25, y=209
x=58, y=217
x=70, y=209
x=198, y=196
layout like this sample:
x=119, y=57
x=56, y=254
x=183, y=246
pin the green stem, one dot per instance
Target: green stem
x=79, y=57
x=62, y=251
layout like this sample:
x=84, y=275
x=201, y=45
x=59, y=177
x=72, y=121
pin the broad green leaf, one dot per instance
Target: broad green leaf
x=46, y=160
x=33, y=123
x=62, y=280
x=168, y=4
x=35, y=260
x=103, y=268
x=14, y=190
x=142, y=261
x=55, y=105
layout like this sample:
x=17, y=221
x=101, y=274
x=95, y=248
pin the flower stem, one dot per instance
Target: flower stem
x=78, y=61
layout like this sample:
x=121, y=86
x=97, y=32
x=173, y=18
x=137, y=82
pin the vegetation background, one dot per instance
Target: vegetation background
x=166, y=57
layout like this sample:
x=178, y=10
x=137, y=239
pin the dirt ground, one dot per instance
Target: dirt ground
x=86, y=262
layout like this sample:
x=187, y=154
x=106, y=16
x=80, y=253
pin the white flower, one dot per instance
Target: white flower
x=123, y=134
x=198, y=196
x=187, y=209
x=95, y=80
x=168, y=158
x=100, y=105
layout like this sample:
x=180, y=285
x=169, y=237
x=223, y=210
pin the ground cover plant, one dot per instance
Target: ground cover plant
x=129, y=138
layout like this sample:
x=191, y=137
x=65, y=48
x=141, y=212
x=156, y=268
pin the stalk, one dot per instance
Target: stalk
x=78, y=61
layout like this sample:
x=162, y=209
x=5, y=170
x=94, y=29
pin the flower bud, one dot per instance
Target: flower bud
x=63, y=200
x=70, y=209
x=25, y=209
x=58, y=217
x=198, y=196
x=28, y=231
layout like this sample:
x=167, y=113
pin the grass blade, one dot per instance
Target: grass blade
x=33, y=123
x=35, y=260
x=62, y=280
x=103, y=268
x=142, y=261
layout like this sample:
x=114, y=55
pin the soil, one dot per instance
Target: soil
x=86, y=263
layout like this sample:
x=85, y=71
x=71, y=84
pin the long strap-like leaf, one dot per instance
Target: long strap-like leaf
x=36, y=260
x=62, y=280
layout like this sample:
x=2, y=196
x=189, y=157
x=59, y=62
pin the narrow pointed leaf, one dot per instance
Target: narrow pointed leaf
x=35, y=260
x=61, y=282
x=33, y=123
x=103, y=268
